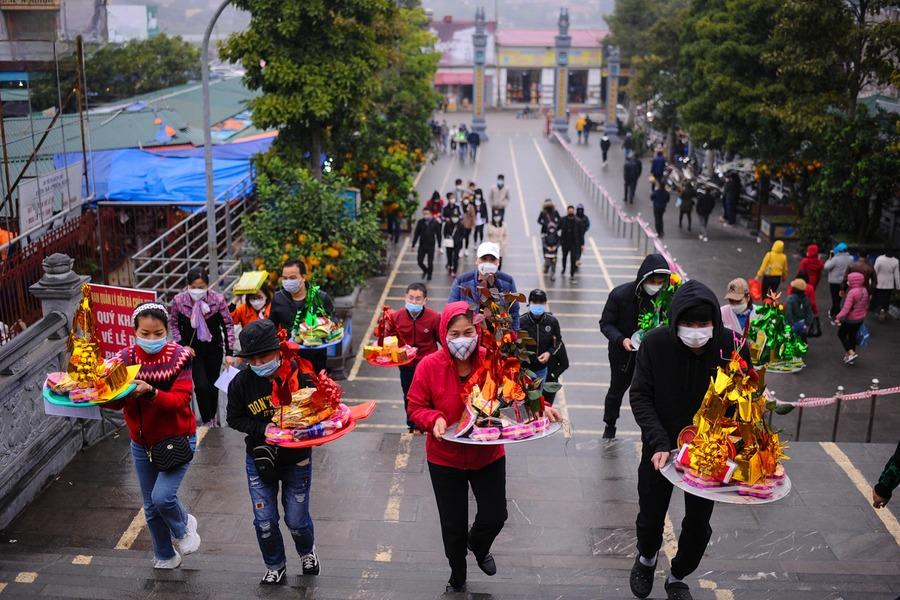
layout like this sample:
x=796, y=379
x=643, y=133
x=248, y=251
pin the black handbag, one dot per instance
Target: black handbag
x=166, y=454
x=265, y=459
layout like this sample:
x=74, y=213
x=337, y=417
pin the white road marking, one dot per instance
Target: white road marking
x=82, y=559
x=596, y=250
x=26, y=577
x=512, y=154
x=559, y=194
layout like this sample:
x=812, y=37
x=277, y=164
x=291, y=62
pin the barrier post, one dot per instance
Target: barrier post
x=872, y=400
x=800, y=399
x=837, y=412
x=771, y=412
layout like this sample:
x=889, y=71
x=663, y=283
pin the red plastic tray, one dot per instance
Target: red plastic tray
x=358, y=412
x=372, y=362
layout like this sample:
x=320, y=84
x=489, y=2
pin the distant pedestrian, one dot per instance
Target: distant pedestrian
x=468, y=222
x=798, y=311
x=739, y=311
x=773, y=269
x=579, y=127
x=658, y=170
x=835, y=268
x=811, y=295
x=812, y=265
x=550, y=242
x=660, y=198
x=548, y=215
x=462, y=142
x=428, y=236
x=434, y=204
x=587, y=128
x=579, y=212
x=453, y=235
x=852, y=315
x=487, y=270
x=861, y=265
x=474, y=140
x=499, y=197
x=733, y=190
x=157, y=411
x=497, y=233
x=686, y=208
x=445, y=136
x=705, y=205
x=604, y=148
x=452, y=208
x=887, y=273
x=199, y=318
x=571, y=233
x=632, y=173
x=628, y=145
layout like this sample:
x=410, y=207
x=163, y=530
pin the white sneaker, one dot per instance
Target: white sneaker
x=705, y=239
x=172, y=563
x=190, y=543
x=466, y=253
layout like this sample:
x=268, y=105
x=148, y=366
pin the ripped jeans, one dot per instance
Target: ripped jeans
x=295, y=483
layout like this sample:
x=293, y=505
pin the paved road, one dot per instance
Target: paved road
x=572, y=502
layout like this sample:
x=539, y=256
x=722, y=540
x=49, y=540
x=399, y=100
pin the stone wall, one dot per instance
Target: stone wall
x=35, y=447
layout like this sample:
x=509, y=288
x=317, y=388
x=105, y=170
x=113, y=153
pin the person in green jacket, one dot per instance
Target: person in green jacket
x=889, y=479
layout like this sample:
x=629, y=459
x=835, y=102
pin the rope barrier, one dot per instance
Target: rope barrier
x=804, y=402
x=624, y=218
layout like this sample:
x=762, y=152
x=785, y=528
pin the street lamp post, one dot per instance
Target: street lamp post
x=211, y=236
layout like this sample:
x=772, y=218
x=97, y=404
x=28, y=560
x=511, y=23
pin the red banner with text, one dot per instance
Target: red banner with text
x=112, y=307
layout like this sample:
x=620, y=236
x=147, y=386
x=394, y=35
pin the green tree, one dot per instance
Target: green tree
x=117, y=71
x=630, y=25
x=316, y=63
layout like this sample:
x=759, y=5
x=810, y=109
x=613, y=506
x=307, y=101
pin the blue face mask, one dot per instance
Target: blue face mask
x=266, y=369
x=537, y=309
x=414, y=309
x=151, y=346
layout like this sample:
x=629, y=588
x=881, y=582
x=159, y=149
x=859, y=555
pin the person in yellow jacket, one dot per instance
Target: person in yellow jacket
x=579, y=126
x=774, y=268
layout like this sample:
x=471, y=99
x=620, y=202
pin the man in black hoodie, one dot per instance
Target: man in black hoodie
x=618, y=323
x=674, y=367
x=428, y=236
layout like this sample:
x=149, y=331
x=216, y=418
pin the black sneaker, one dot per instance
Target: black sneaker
x=609, y=432
x=678, y=590
x=273, y=577
x=310, y=563
x=485, y=563
x=453, y=588
x=641, y=579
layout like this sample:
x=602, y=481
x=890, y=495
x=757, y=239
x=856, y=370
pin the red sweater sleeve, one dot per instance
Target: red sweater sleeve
x=421, y=408
x=179, y=394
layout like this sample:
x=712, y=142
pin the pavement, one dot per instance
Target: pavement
x=572, y=500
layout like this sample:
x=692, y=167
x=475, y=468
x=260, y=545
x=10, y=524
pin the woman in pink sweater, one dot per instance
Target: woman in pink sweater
x=853, y=313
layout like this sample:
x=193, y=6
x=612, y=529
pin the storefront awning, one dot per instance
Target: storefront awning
x=454, y=78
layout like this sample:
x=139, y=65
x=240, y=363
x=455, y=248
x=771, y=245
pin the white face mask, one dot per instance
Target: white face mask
x=652, y=289
x=695, y=337
x=197, y=294
x=258, y=303
x=487, y=268
x=462, y=348
x=739, y=308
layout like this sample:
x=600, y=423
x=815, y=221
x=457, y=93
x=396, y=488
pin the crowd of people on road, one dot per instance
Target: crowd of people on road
x=182, y=347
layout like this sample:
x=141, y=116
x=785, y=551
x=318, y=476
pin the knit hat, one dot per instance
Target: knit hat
x=799, y=284
x=258, y=337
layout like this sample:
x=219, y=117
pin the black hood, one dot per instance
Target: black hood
x=653, y=264
x=693, y=293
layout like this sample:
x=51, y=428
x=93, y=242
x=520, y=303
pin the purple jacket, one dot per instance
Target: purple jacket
x=218, y=320
x=856, y=302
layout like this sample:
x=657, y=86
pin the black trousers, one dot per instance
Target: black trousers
x=658, y=219
x=654, y=494
x=452, y=258
x=621, y=373
x=881, y=300
x=847, y=333
x=630, y=188
x=451, y=491
x=406, y=377
x=479, y=234
x=574, y=253
x=468, y=235
x=605, y=152
x=205, y=369
x=425, y=258
x=681, y=216
x=835, y=289
x=502, y=212
x=770, y=282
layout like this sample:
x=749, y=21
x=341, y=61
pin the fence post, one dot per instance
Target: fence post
x=837, y=412
x=872, y=400
x=800, y=399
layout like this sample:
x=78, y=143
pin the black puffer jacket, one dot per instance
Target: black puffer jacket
x=669, y=379
x=620, y=314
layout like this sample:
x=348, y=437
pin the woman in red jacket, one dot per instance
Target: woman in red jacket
x=160, y=409
x=435, y=400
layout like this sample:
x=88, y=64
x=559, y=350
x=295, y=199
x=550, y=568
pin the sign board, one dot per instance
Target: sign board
x=29, y=4
x=612, y=98
x=42, y=197
x=585, y=58
x=562, y=91
x=478, y=90
x=112, y=307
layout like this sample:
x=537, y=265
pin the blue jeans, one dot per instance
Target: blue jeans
x=295, y=483
x=165, y=514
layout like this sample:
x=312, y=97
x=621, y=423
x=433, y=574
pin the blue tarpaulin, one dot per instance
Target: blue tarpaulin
x=137, y=176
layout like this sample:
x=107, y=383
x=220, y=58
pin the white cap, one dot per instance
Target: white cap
x=486, y=248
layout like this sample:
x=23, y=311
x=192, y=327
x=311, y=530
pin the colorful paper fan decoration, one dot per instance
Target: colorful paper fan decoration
x=773, y=341
x=505, y=398
x=88, y=377
x=729, y=442
x=658, y=314
x=313, y=327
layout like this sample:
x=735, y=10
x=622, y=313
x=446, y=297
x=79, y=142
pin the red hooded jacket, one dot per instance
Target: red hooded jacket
x=437, y=392
x=421, y=332
x=812, y=264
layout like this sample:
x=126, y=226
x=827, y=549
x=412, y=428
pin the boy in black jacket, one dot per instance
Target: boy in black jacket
x=250, y=411
x=674, y=366
x=543, y=328
x=618, y=323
